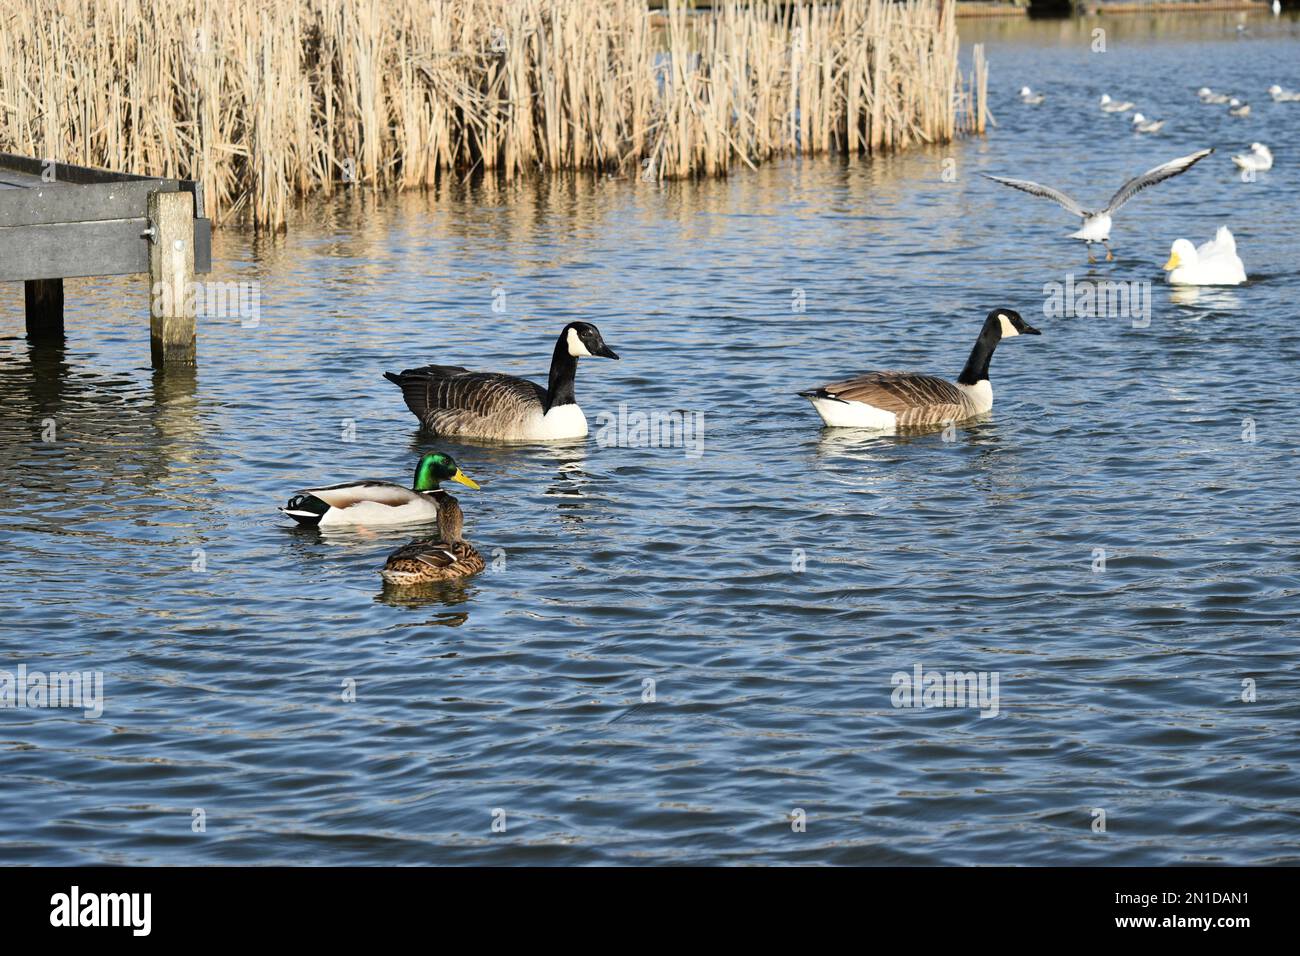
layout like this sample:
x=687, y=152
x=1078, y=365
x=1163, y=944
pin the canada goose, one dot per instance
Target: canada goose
x=1211, y=98
x=1096, y=225
x=1259, y=159
x=1110, y=106
x=442, y=558
x=889, y=400
x=1212, y=263
x=451, y=401
x=1237, y=108
x=1029, y=97
x=1144, y=125
x=378, y=502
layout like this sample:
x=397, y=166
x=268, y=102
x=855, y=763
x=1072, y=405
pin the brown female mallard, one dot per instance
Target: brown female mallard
x=443, y=558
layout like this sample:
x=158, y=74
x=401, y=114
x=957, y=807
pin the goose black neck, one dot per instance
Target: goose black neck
x=559, y=390
x=977, y=366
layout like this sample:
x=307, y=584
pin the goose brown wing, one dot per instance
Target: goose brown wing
x=451, y=400
x=915, y=399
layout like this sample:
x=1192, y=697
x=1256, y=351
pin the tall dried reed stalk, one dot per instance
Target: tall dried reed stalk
x=265, y=100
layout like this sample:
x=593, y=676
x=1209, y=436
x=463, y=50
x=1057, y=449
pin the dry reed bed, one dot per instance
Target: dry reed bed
x=263, y=100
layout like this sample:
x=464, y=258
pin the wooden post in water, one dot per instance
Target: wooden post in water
x=43, y=299
x=171, y=276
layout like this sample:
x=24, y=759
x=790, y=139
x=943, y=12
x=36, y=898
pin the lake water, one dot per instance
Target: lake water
x=769, y=583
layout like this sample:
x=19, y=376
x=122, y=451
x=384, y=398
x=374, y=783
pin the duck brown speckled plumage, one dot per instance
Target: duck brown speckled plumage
x=444, y=558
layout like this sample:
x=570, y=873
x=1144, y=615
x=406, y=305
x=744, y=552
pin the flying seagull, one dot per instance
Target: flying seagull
x=1096, y=225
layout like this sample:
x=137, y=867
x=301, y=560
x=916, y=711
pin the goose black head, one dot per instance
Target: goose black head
x=584, y=341
x=1007, y=322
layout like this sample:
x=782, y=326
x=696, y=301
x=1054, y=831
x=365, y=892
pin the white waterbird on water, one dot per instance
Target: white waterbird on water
x=1212, y=263
x=1143, y=125
x=1237, y=108
x=1259, y=159
x=1096, y=225
x=1111, y=106
x=1208, y=96
x=1283, y=96
x=1029, y=97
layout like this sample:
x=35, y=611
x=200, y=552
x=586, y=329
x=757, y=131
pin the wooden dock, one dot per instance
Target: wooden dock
x=59, y=221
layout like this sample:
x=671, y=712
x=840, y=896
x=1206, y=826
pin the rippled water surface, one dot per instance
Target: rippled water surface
x=520, y=691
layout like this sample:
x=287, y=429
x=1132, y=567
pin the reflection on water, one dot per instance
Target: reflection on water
x=768, y=588
x=438, y=593
x=1214, y=300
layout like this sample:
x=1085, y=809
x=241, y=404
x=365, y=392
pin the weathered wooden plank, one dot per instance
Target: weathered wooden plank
x=171, y=276
x=111, y=247
x=43, y=300
x=203, y=245
x=11, y=179
x=64, y=203
x=65, y=172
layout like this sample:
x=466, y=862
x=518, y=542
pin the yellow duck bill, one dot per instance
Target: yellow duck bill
x=465, y=479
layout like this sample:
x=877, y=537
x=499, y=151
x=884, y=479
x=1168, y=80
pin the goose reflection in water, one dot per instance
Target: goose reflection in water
x=846, y=442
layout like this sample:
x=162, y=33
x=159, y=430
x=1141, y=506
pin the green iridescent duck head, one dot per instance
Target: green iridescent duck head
x=435, y=468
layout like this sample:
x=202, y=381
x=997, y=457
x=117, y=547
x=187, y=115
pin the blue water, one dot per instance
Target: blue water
x=769, y=583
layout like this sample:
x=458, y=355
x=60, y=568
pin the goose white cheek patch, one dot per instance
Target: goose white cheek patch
x=1008, y=329
x=576, y=347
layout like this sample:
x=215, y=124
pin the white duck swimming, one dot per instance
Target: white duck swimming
x=1213, y=263
x=1259, y=159
x=1111, y=106
x=1143, y=125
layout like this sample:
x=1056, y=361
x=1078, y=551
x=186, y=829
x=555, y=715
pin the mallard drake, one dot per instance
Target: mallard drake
x=451, y=401
x=889, y=400
x=1096, y=225
x=1212, y=263
x=442, y=558
x=378, y=502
